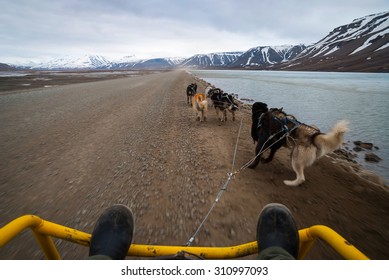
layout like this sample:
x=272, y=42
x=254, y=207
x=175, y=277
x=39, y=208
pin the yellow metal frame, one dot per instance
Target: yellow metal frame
x=44, y=230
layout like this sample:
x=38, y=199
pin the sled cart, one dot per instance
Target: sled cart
x=44, y=232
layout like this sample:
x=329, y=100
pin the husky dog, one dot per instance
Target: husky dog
x=200, y=106
x=191, y=91
x=308, y=143
x=222, y=102
x=257, y=110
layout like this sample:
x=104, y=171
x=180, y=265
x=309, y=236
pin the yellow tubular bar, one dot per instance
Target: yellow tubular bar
x=44, y=230
x=332, y=238
x=203, y=252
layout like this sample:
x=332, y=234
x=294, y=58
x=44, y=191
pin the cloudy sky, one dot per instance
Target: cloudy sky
x=39, y=29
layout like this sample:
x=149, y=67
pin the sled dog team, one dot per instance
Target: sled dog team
x=221, y=101
x=272, y=128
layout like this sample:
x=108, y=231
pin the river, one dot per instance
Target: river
x=321, y=98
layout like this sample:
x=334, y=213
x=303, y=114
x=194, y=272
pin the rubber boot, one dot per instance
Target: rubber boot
x=113, y=232
x=277, y=229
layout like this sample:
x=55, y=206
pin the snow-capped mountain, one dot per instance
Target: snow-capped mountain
x=361, y=45
x=74, y=62
x=100, y=62
x=154, y=63
x=211, y=59
x=268, y=55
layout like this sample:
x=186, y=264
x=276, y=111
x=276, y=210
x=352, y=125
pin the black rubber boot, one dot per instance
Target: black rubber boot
x=113, y=232
x=277, y=228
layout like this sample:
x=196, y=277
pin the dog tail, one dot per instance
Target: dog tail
x=329, y=142
x=201, y=103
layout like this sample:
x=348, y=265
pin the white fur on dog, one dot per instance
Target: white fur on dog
x=304, y=155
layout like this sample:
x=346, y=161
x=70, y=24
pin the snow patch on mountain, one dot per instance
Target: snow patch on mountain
x=74, y=62
x=217, y=59
x=268, y=55
x=383, y=47
x=369, y=41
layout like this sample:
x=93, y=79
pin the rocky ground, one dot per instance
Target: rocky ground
x=70, y=151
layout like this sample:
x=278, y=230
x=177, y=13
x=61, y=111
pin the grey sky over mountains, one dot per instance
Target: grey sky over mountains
x=38, y=29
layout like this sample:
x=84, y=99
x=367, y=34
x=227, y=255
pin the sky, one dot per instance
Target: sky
x=43, y=29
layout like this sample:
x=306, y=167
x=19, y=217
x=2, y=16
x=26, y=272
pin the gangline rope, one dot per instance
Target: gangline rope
x=232, y=174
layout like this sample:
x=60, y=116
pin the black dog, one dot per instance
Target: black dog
x=267, y=131
x=191, y=90
x=222, y=102
x=257, y=110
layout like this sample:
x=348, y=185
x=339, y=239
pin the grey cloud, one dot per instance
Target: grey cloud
x=163, y=27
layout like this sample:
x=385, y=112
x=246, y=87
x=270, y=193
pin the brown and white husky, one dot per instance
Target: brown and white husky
x=308, y=144
x=200, y=106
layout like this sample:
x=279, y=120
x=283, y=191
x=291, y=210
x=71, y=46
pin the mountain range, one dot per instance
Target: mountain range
x=362, y=45
x=211, y=60
x=266, y=55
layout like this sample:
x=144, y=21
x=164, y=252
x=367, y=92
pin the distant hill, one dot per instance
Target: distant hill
x=155, y=63
x=6, y=67
x=73, y=62
x=98, y=62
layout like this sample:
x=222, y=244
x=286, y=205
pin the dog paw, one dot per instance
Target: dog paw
x=290, y=183
x=294, y=183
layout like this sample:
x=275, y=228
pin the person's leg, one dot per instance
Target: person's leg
x=112, y=235
x=277, y=234
x=275, y=253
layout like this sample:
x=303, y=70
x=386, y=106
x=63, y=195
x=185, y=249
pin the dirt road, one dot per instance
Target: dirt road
x=70, y=151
